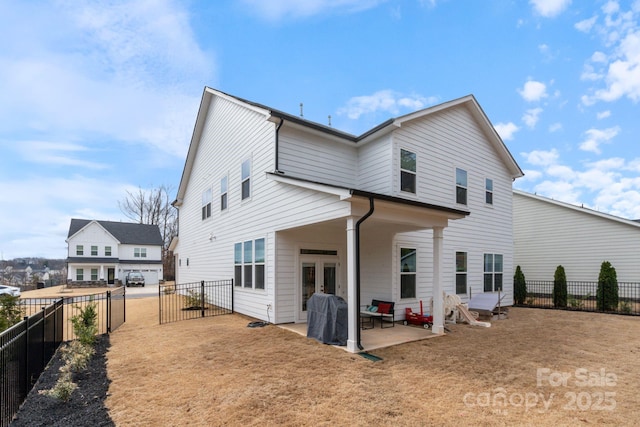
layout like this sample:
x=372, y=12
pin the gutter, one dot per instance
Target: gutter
x=278, y=144
x=360, y=221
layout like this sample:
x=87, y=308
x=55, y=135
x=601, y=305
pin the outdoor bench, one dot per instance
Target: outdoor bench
x=378, y=309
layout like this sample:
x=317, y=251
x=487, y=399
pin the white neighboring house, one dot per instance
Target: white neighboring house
x=411, y=209
x=549, y=233
x=102, y=252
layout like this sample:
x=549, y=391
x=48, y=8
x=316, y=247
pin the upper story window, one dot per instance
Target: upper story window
x=139, y=252
x=493, y=265
x=461, y=273
x=488, y=191
x=407, y=171
x=206, y=203
x=79, y=250
x=246, y=179
x=107, y=251
x=94, y=251
x=408, y=272
x=461, y=186
x=223, y=193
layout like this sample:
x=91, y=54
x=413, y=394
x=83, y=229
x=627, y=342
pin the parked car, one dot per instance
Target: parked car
x=9, y=290
x=134, y=278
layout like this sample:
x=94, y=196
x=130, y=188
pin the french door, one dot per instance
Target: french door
x=317, y=274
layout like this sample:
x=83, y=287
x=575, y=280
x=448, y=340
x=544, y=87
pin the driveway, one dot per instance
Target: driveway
x=145, y=291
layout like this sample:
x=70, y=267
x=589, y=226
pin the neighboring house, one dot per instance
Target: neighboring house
x=549, y=233
x=411, y=209
x=102, y=252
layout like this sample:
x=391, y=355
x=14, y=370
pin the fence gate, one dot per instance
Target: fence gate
x=194, y=300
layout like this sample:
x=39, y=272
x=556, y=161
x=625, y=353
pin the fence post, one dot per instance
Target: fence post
x=108, y=312
x=202, y=298
x=26, y=356
x=232, y=293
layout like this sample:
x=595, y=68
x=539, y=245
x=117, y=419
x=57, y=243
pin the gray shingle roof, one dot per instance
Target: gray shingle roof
x=125, y=232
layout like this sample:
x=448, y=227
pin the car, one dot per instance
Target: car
x=9, y=290
x=134, y=279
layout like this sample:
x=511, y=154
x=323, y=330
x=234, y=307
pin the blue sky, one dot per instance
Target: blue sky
x=97, y=98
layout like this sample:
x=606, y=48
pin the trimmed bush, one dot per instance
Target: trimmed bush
x=519, y=287
x=560, y=288
x=607, y=293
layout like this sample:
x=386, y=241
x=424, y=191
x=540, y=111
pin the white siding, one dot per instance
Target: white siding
x=548, y=234
x=92, y=235
x=375, y=164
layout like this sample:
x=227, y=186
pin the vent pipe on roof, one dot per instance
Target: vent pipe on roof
x=329, y=120
x=301, y=109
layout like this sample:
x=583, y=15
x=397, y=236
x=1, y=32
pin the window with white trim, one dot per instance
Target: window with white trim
x=246, y=179
x=461, y=186
x=408, y=171
x=79, y=250
x=223, y=193
x=80, y=274
x=206, y=203
x=493, y=266
x=139, y=252
x=94, y=251
x=408, y=273
x=461, y=273
x=249, y=264
x=94, y=274
x=488, y=191
x=107, y=251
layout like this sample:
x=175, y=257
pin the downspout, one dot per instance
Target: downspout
x=278, y=143
x=360, y=221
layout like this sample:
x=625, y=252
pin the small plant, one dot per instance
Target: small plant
x=530, y=300
x=519, y=287
x=85, y=324
x=560, y=288
x=193, y=299
x=575, y=301
x=625, y=307
x=77, y=355
x=607, y=293
x=11, y=311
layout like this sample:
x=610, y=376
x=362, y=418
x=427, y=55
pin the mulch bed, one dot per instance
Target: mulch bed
x=86, y=405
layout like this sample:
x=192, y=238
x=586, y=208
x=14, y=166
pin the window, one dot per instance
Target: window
x=94, y=274
x=461, y=186
x=79, y=250
x=488, y=191
x=237, y=261
x=94, y=251
x=246, y=179
x=139, y=252
x=461, y=273
x=223, y=193
x=407, y=171
x=407, y=273
x=206, y=204
x=249, y=264
x=493, y=272
x=80, y=274
x=107, y=251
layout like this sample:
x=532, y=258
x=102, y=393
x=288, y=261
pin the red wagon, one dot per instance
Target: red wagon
x=417, y=319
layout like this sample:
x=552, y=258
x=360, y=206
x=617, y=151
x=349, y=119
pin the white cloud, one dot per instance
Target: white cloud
x=586, y=25
x=599, y=57
x=275, y=10
x=603, y=114
x=555, y=127
x=533, y=91
x=549, y=8
x=388, y=101
x=541, y=157
x=596, y=137
x=506, y=130
x=531, y=117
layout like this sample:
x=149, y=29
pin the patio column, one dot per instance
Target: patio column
x=101, y=277
x=352, y=298
x=438, y=298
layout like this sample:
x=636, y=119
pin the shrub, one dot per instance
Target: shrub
x=625, y=307
x=607, y=293
x=85, y=324
x=193, y=299
x=64, y=387
x=519, y=287
x=559, y=288
x=11, y=311
x=77, y=355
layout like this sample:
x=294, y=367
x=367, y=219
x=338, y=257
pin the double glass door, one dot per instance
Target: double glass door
x=317, y=275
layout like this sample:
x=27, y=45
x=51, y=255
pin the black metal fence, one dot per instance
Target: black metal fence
x=194, y=300
x=110, y=305
x=25, y=350
x=583, y=296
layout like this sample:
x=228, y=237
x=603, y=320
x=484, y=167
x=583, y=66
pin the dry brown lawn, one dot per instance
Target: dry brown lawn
x=217, y=371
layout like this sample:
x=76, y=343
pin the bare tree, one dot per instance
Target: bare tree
x=153, y=207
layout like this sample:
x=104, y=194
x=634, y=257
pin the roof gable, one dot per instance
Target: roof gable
x=126, y=233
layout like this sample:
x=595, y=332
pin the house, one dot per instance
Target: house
x=549, y=233
x=411, y=209
x=101, y=253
